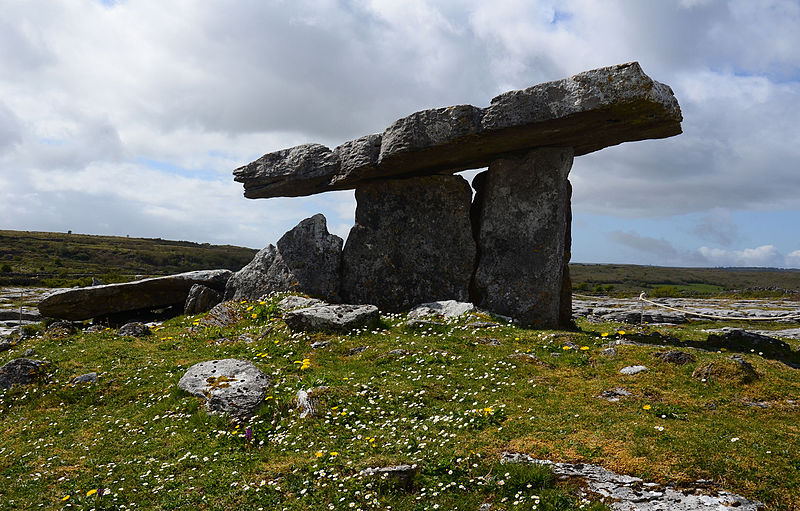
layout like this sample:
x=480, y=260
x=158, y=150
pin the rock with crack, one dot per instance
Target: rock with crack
x=332, y=318
x=229, y=386
x=306, y=259
x=92, y=302
x=412, y=243
x=588, y=111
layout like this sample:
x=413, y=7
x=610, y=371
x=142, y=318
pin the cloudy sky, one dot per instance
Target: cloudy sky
x=127, y=117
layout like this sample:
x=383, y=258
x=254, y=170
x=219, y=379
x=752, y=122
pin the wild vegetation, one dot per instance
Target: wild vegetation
x=64, y=260
x=451, y=401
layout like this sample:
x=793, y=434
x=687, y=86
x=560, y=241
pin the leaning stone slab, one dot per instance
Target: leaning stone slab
x=306, y=259
x=89, y=302
x=229, y=386
x=201, y=299
x=626, y=493
x=20, y=371
x=589, y=111
x=520, y=215
x=412, y=243
x=332, y=318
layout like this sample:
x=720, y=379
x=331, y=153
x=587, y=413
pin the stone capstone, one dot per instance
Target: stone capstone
x=201, y=299
x=89, y=302
x=20, y=371
x=332, y=318
x=520, y=217
x=589, y=111
x=229, y=386
x=411, y=243
x=306, y=259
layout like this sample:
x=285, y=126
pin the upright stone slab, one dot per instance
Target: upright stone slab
x=411, y=243
x=521, y=219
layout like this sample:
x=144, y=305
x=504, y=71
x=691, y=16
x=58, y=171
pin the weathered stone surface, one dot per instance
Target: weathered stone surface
x=90, y=302
x=20, y=371
x=411, y=243
x=675, y=357
x=332, y=318
x=614, y=395
x=520, y=217
x=231, y=386
x=306, y=259
x=302, y=170
x=627, y=493
x=297, y=302
x=402, y=475
x=201, y=299
x=588, y=111
x=444, y=308
x=86, y=378
x=134, y=329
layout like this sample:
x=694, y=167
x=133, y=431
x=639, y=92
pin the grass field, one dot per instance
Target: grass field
x=449, y=403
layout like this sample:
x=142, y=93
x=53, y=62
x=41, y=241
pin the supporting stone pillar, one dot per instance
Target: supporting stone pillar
x=521, y=216
x=411, y=243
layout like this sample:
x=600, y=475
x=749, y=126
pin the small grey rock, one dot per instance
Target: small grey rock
x=675, y=357
x=613, y=395
x=357, y=350
x=402, y=475
x=86, y=378
x=134, y=329
x=319, y=344
x=481, y=324
x=490, y=342
x=29, y=352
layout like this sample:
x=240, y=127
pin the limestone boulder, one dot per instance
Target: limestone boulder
x=521, y=218
x=332, y=318
x=134, y=329
x=444, y=308
x=201, y=299
x=411, y=243
x=228, y=386
x=90, y=302
x=306, y=259
x=20, y=371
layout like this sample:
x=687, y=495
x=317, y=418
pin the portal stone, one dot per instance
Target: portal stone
x=411, y=243
x=521, y=218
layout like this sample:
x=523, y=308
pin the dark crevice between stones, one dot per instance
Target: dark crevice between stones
x=476, y=294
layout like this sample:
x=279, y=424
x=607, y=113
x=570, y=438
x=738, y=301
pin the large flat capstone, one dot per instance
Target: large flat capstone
x=90, y=302
x=588, y=111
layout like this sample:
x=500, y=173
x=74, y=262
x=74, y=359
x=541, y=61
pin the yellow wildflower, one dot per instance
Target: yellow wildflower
x=90, y=493
x=65, y=498
x=646, y=407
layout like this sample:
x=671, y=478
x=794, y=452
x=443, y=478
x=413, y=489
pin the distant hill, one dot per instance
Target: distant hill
x=63, y=259
x=630, y=279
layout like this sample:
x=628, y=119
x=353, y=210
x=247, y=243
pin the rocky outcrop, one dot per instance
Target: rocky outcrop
x=229, y=386
x=626, y=493
x=332, y=318
x=92, y=302
x=520, y=219
x=306, y=259
x=587, y=112
x=411, y=243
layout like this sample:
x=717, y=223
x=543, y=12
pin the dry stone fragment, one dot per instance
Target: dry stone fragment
x=229, y=386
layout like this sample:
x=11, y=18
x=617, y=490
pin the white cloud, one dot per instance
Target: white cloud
x=766, y=255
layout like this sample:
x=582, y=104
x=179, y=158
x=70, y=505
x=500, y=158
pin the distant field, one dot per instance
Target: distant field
x=61, y=259
x=48, y=258
x=629, y=279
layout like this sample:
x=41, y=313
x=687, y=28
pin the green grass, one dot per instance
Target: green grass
x=451, y=405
